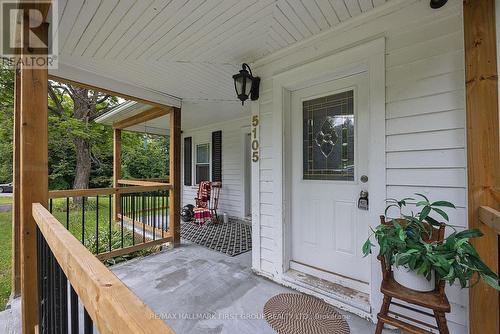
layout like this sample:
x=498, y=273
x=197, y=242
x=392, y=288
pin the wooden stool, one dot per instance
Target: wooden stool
x=435, y=300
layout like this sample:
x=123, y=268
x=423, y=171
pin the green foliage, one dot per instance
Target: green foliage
x=6, y=123
x=5, y=257
x=404, y=242
x=144, y=156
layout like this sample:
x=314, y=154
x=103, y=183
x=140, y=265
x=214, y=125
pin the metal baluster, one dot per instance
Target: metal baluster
x=50, y=205
x=40, y=279
x=97, y=224
x=154, y=215
x=122, y=220
x=67, y=213
x=83, y=221
x=88, y=326
x=64, y=302
x=57, y=296
x=50, y=326
x=133, y=218
x=74, y=311
x=143, y=218
x=110, y=221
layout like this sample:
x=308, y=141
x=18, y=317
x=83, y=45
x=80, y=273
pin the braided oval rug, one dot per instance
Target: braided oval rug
x=291, y=313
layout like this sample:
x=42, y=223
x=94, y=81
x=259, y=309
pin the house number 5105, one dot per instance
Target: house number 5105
x=255, y=138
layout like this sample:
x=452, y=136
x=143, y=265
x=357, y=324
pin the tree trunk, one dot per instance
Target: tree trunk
x=83, y=163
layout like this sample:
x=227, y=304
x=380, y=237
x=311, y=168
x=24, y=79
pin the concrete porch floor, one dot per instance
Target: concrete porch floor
x=197, y=290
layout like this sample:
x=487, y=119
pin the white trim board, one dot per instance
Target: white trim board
x=370, y=57
x=90, y=78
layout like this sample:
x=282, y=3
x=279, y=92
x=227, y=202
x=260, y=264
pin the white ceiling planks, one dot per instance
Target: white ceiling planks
x=189, y=48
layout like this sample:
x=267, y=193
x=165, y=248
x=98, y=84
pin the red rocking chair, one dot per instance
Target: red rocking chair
x=207, y=202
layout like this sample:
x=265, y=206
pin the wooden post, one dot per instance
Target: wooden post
x=483, y=164
x=175, y=176
x=33, y=172
x=117, y=169
x=16, y=205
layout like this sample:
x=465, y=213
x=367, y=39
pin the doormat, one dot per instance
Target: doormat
x=291, y=313
x=233, y=238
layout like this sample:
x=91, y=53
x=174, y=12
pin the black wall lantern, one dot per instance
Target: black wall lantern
x=435, y=4
x=246, y=84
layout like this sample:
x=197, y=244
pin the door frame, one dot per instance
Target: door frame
x=367, y=57
x=245, y=130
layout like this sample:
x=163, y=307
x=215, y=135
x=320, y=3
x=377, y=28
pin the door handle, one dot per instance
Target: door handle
x=363, y=200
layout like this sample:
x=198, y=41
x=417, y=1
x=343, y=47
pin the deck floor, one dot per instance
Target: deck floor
x=197, y=290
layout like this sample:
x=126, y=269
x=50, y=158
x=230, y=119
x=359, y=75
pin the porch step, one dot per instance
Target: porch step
x=330, y=290
x=10, y=319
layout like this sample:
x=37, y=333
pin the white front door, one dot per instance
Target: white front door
x=329, y=150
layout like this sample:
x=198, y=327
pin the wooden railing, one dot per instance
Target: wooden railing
x=63, y=262
x=142, y=220
x=490, y=217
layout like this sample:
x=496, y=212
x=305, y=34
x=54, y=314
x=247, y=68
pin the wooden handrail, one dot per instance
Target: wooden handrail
x=110, y=304
x=141, y=183
x=108, y=191
x=490, y=217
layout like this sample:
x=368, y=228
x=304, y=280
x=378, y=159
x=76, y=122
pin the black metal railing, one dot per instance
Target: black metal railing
x=77, y=293
x=142, y=217
x=146, y=214
x=58, y=311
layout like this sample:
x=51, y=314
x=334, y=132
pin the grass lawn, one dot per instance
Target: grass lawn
x=5, y=199
x=5, y=258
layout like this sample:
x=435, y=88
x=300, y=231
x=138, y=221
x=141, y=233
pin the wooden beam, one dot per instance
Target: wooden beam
x=107, y=191
x=140, y=183
x=175, y=176
x=33, y=172
x=117, y=169
x=107, y=91
x=483, y=165
x=111, y=305
x=131, y=249
x=158, y=232
x=142, y=117
x=490, y=217
x=16, y=205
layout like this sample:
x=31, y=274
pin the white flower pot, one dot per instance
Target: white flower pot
x=412, y=280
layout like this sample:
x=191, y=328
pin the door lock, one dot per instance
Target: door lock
x=363, y=200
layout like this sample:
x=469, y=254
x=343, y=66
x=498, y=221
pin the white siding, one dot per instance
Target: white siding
x=232, y=192
x=425, y=117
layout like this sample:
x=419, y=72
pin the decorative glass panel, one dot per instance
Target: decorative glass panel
x=328, y=141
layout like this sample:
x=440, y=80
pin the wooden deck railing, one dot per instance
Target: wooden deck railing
x=142, y=221
x=490, y=217
x=108, y=304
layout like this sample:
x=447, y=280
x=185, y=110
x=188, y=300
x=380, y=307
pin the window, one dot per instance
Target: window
x=202, y=163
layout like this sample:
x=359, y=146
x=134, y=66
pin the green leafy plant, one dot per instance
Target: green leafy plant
x=404, y=241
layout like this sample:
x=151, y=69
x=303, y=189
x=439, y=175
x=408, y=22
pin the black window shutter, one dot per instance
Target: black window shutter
x=188, y=161
x=217, y=156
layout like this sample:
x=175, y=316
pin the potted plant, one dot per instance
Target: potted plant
x=404, y=243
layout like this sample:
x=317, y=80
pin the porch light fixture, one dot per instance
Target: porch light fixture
x=435, y=4
x=246, y=85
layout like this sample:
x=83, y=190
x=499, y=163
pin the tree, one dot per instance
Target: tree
x=74, y=110
x=6, y=122
x=80, y=150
